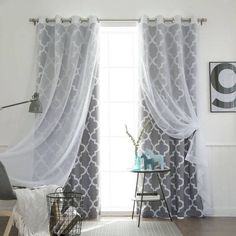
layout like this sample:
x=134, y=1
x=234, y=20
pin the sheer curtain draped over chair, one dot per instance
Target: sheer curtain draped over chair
x=169, y=84
x=66, y=67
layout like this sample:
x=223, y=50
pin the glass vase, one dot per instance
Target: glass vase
x=137, y=163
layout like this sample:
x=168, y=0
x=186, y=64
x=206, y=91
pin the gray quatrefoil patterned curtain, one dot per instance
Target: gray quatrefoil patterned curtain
x=169, y=101
x=180, y=186
x=85, y=174
x=66, y=67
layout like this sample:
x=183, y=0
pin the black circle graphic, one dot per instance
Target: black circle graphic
x=215, y=78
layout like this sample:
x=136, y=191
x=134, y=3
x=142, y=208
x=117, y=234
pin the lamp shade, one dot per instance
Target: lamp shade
x=35, y=105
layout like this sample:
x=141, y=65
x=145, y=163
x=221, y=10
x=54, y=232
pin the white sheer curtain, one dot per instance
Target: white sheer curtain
x=168, y=66
x=67, y=55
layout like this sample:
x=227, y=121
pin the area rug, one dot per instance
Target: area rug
x=130, y=228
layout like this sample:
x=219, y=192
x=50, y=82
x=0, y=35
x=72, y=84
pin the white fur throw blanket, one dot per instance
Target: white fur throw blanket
x=30, y=212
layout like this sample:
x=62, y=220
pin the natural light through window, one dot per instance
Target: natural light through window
x=118, y=94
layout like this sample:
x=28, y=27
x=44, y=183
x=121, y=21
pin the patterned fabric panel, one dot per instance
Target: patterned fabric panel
x=170, y=57
x=66, y=65
x=84, y=176
x=169, y=75
x=180, y=185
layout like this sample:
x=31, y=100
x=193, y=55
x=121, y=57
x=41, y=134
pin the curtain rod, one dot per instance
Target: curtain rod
x=64, y=20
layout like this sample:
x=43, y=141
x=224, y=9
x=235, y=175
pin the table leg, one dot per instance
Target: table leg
x=135, y=195
x=141, y=202
x=160, y=184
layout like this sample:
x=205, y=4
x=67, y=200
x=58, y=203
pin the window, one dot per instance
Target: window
x=118, y=94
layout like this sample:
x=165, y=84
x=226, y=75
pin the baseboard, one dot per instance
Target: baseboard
x=211, y=212
x=221, y=212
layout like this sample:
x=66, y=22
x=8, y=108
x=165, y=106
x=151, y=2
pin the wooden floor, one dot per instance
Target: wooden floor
x=3, y=223
x=217, y=226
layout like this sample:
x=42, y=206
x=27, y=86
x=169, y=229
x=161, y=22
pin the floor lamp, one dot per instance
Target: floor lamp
x=35, y=104
x=35, y=107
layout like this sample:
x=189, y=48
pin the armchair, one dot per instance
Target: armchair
x=7, y=198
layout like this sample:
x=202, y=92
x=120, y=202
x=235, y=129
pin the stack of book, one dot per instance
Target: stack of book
x=62, y=224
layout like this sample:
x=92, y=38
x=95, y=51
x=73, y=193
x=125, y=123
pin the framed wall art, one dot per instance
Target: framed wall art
x=222, y=86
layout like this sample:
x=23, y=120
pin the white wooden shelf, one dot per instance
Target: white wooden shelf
x=148, y=198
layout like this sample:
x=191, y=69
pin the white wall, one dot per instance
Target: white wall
x=218, y=37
